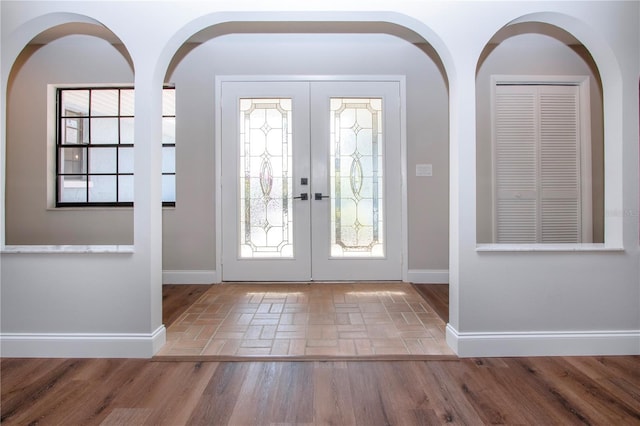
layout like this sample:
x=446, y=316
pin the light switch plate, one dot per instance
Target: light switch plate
x=424, y=169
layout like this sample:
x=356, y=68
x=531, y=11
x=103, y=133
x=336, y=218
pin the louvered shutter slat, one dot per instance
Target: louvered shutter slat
x=515, y=166
x=559, y=165
x=537, y=164
x=517, y=221
x=515, y=142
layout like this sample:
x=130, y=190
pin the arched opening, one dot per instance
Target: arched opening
x=301, y=51
x=308, y=49
x=73, y=55
x=540, y=139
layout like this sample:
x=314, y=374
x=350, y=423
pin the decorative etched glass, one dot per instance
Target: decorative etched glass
x=356, y=178
x=266, y=228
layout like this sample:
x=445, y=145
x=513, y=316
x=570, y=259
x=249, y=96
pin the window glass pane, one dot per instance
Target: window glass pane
x=102, y=189
x=104, y=131
x=169, y=102
x=266, y=219
x=71, y=133
x=73, y=160
x=73, y=189
x=104, y=102
x=127, y=102
x=356, y=178
x=125, y=160
x=125, y=189
x=169, y=188
x=168, y=130
x=75, y=102
x=74, y=131
x=168, y=159
x=126, y=130
x=100, y=117
x=102, y=160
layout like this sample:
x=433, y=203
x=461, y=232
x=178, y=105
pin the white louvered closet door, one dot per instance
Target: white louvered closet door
x=537, y=164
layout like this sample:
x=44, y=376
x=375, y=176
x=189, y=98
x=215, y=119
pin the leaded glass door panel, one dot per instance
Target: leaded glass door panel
x=311, y=181
x=265, y=153
x=355, y=151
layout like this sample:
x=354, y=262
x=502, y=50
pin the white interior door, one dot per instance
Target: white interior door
x=311, y=181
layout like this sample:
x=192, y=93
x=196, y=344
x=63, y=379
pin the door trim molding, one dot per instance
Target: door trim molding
x=220, y=79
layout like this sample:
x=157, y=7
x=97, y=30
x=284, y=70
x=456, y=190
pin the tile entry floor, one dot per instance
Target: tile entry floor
x=322, y=320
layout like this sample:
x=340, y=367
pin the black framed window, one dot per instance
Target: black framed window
x=95, y=143
x=169, y=146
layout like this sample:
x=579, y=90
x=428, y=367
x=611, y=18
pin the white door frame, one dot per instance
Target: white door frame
x=584, y=128
x=400, y=79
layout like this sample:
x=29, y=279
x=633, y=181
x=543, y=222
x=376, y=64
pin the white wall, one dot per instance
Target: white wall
x=571, y=300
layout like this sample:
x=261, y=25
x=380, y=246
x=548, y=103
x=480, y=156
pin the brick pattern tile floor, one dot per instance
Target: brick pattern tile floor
x=319, y=319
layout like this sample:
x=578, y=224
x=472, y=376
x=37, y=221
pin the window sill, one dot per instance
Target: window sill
x=99, y=209
x=587, y=247
x=89, y=208
x=40, y=249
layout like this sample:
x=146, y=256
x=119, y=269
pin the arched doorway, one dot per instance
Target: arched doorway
x=254, y=48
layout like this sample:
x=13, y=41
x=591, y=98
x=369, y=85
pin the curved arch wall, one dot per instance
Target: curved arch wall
x=31, y=218
x=503, y=301
x=535, y=53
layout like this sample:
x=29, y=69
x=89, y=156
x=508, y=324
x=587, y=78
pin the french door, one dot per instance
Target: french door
x=311, y=181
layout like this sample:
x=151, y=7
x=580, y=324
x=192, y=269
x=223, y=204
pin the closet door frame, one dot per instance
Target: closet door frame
x=584, y=112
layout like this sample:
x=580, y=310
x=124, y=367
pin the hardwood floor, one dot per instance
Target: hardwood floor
x=176, y=298
x=437, y=295
x=319, y=321
x=531, y=391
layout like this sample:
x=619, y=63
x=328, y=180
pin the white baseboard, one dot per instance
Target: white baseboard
x=554, y=343
x=190, y=277
x=418, y=276
x=428, y=276
x=80, y=345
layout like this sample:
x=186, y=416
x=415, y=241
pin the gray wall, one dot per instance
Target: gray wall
x=427, y=132
x=534, y=54
x=189, y=228
x=30, y=218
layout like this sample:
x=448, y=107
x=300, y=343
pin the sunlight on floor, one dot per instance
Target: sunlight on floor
x=294, y=320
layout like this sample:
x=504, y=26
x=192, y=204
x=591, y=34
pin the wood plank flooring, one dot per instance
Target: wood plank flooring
x=437, y=296
x=176, y=298
x=528, y=391
x=387, y=320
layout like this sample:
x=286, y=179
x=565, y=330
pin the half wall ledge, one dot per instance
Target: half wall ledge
x=43, y=249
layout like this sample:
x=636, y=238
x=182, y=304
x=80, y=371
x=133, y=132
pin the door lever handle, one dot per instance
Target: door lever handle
x=319, y=196
x=304, y=197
